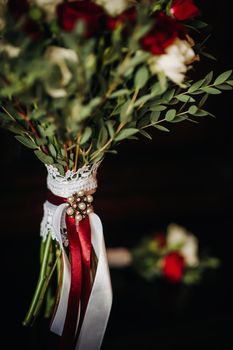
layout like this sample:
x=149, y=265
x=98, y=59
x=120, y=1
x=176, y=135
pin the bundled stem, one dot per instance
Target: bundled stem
x=46, y=271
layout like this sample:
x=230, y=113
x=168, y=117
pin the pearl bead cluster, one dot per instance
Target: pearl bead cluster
x=79, y=205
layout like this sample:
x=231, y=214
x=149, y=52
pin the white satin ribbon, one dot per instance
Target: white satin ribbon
x=100, y=301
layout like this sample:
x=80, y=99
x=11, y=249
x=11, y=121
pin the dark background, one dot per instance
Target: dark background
x=185, y=176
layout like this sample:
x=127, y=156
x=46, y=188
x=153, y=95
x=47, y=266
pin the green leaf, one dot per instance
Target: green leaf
x=168, y=96
x=224, y=87
x=142, y=100
x=141, y=77
x=26, y=141
x=161, y=128
x=170, y=115
x=119, y=93
x=142, y=30
x=103, y=137
x=222, y=77
x=14, y=129
x=201, y=113
x=211, y=90
x=203, y=100
x=196, y=86
x=110, y=128
x=158, y=89
x=208, y=78
x=158, y=108
x=230, y=82
x=61, y=162
x=185, y=98
x=126, y=133
x=144, y=133
x=126, y=111
x=154, y=117
x=52, y=150
x=112, y=151
x=50, y=131
x=86, y=135
x=60, y=168
x=179, y=119
x=192, y=109
x=208, y=55
x=141, y=57
x=41, y=142
x=44, y=158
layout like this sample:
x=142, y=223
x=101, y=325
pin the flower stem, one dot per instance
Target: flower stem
x=42, y=278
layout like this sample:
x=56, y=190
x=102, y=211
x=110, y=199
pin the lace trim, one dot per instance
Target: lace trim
x=73, y=181
x=46, y=225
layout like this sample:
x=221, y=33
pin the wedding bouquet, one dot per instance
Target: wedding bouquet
x=77, y=78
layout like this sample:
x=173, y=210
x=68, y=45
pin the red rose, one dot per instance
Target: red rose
x=70, y=12
x=161, y=239
x=162, y=35
x=184, y=9
x=126, y=16
x=173, y=267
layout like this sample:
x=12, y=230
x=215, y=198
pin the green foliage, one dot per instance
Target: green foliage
x=101, y=92
x=26, y=141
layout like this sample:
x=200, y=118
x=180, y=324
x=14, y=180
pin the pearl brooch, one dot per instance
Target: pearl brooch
x=79, y=205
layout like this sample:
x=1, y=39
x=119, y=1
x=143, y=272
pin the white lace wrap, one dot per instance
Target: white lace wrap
x=64, y=186
x=73, y=181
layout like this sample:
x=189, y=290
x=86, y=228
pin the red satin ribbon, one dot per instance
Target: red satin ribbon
x=80, y=256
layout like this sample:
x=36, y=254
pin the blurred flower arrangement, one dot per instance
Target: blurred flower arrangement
x=173, y=256
x=79, y=77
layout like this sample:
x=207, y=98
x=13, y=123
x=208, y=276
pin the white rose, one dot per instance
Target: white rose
x=177, y=235
x=114, y=7
x=119, y=257
x=190, y=251
x=10, y=50
x=59, y=55
x=174, y=62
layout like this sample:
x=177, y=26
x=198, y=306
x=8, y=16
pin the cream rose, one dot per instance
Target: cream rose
x=59, y=55
x=114, y=7
x=186, y=242
x=10, y=50
x=174, y=63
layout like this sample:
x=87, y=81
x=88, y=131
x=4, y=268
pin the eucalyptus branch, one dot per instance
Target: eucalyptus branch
x=108, y=143
x=152, y=124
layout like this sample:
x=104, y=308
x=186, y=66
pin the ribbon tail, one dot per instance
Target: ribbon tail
x=100, y=301
x=73, y=308
x=58, y=321
x=84, y=231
